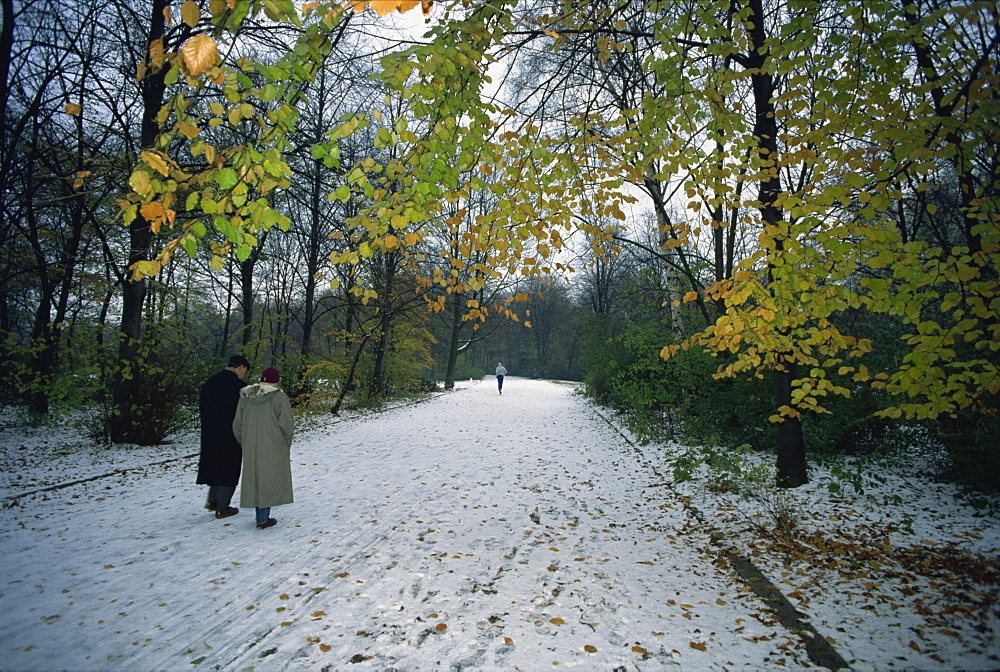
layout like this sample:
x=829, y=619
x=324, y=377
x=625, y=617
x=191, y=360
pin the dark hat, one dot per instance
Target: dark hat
x=238, y=360
x=270, y=375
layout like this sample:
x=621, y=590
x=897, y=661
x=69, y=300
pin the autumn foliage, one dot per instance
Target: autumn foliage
x=825, y=133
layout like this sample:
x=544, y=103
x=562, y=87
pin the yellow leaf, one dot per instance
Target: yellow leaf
x=441, y=627
x=190, y=131
x=157, y=54
x=325, y=647
x=199, y=53
x=508, y=641
x=73, y=109
x=557, y=621
x=139, y=182
x=590, y=649
x=151, y=211
x=190, y=13
x=639, y=649
x=155, y=161
x=381, y=7
x=698, y=645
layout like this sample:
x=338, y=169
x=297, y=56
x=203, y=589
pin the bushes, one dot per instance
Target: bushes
x=972, y=444
x=676, y=398
x=681, y=399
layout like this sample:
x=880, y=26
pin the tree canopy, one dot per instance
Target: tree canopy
x=853, y=143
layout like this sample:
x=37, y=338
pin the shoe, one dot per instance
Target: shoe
x=226, y=512
x=211, y=506
x=271, y=522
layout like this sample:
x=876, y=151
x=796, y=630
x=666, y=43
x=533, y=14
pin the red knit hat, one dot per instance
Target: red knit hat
x=270, y=375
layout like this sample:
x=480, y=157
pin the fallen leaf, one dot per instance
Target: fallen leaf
x=590, y=649
x=441, y=627
x=557, y=621
x=325, y=647
x=639, y=649
x=698, y=645
x=508, y=641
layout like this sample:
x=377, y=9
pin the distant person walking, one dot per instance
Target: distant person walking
x=221, y=455
x=264, y=425
x=501, y=372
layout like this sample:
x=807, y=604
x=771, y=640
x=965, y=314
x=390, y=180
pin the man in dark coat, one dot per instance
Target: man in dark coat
x=221, y=454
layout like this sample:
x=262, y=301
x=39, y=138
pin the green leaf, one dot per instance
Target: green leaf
x=226, y=178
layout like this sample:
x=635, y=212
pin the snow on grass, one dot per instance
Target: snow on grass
x=471, y=530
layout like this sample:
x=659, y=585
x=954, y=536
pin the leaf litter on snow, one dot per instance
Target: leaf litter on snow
x=905, y=573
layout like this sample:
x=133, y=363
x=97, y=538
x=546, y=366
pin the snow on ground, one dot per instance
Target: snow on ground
x=472, y=530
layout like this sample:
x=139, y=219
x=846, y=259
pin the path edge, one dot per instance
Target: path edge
x=819, y=650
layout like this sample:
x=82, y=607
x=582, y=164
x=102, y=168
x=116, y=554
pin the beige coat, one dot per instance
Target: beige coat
x=264, y=426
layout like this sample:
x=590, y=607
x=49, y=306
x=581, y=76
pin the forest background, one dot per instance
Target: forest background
x=763, y=223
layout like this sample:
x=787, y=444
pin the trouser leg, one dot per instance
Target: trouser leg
x=223, y=495
x=263, y=513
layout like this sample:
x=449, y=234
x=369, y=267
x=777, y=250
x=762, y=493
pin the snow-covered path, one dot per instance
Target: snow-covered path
x=469, y=531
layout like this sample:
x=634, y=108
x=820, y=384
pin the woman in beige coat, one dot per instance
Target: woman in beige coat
x=264, y=426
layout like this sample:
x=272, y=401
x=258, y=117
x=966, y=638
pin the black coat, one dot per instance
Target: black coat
x=221, y=454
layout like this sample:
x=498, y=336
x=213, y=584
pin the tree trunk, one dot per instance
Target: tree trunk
x=791, y=463
x=456, y=332
x=313, y=249
x=791, y=446
x=349, y=384
x=140, y=238
x=246, y=289
x=378, y=385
